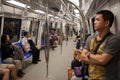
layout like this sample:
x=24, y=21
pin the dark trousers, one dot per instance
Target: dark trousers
x=35, y=51
x=36, y=55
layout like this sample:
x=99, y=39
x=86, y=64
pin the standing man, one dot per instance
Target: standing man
x=102, y=50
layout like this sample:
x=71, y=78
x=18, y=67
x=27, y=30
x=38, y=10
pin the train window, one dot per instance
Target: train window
x=34, y=26
x=12, y=28
x=0, y=29
x=93, y=19
x=0, y=25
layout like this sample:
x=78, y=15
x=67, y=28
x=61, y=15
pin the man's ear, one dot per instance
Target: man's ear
x=107, y=23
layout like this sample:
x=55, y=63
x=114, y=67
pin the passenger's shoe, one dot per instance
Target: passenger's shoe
x=39, y=60
x=21, y=72
x=19, y=75
x=35, y=62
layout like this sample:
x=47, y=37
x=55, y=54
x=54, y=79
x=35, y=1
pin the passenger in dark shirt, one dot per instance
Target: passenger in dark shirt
x=7, y=54
x=5, y=48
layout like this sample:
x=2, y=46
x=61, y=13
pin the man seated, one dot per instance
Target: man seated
x=29, y=46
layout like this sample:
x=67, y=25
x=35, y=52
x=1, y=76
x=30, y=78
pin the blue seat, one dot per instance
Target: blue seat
x=18, y=44
x=26, y=54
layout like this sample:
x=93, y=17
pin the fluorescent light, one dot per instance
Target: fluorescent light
x=39, y=11
x=56, y=17
x=50, y=15
x=75, y=2
x=18, y=3
x=78, y=15
x=76, y=11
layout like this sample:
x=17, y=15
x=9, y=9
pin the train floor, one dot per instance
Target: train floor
x=57, y=67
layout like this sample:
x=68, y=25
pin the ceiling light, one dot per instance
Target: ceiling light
x=75, y=2
x=56, y=17
x=39, y=11
x=18, y=3
x=50, y=15
x=76, y=11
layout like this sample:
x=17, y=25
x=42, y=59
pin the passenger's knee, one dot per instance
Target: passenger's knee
x=11, y=67
x=5, y=71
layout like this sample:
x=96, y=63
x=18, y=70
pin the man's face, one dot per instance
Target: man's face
x=28, y=35
x=7, y=38
x=99, y=23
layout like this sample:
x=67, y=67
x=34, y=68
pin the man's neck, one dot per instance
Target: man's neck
x=101, y=34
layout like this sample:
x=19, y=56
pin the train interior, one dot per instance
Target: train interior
x=66, y=18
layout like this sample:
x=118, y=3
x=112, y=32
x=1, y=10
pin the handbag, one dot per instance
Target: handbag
x=77, y=71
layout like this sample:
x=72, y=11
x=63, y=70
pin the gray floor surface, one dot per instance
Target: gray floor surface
x=58, y=64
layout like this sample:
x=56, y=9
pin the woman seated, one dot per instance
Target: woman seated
x=7, y=50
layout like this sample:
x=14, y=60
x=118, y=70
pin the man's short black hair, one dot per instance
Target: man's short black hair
x=25, y=33
x=107, y=15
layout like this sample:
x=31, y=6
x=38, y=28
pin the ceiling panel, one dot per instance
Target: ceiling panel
x=40, y=4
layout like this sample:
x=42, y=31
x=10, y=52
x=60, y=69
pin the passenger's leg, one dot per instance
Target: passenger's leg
x=34, y=56
x=5, y=73
x=38, y=55
x=13, y=70
x=18, y=65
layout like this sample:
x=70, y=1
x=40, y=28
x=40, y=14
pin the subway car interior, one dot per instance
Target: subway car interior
x=54, y=29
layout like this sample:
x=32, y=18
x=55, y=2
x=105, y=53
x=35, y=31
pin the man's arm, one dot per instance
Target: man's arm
x=83, y=57
x=23, y=46
x=100, y=59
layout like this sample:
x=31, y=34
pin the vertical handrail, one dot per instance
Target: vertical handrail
x=46, y=38
x=84, y=26
x=82, y=20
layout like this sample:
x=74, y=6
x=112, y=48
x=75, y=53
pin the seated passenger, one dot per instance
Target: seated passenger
x=28, y=45
x=77, y=37
x=7, y=54
x=75, y=62
x=5, y=69
x=52, y=39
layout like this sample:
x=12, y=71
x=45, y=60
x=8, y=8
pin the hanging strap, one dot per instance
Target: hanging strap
x=108, y=34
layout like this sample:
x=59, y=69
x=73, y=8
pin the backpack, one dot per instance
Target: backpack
x=18, y=52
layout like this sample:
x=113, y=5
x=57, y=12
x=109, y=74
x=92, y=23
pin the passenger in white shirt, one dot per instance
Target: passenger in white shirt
x=28, y=45
x=25, y=44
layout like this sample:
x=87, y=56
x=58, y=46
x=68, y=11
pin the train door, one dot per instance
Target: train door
x=0, y=25
x=34, y=26
x=0, y=29
x=0, y=36
x=40, y=30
